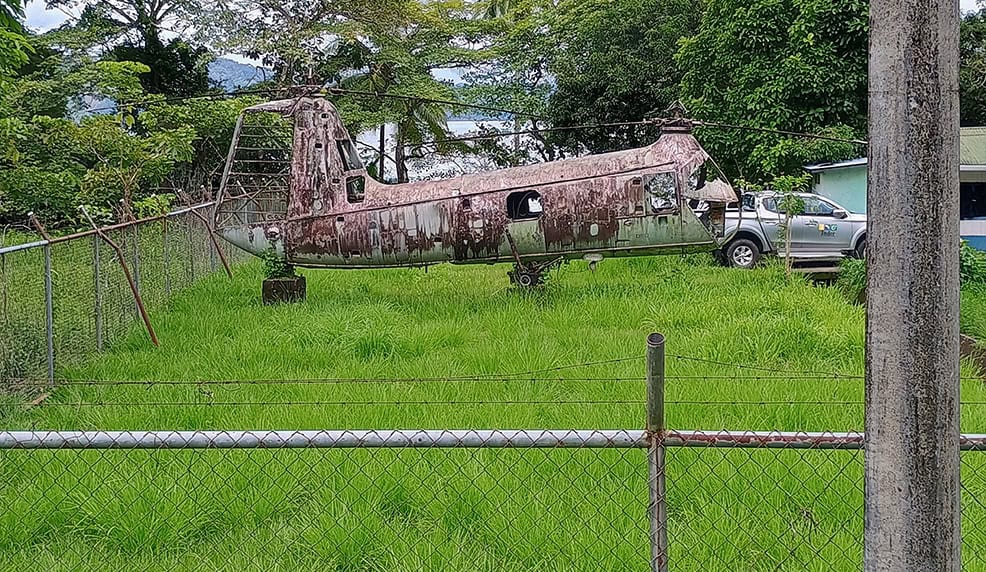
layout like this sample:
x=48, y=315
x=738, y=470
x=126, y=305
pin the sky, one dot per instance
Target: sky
x=40, y=19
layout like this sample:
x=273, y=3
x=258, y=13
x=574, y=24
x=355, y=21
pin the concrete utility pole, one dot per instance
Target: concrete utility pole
x=912, y=328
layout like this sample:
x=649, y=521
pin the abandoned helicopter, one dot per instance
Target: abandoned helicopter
x=294, y=183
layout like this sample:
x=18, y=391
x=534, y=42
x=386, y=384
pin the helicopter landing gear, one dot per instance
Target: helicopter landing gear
x=531, y=275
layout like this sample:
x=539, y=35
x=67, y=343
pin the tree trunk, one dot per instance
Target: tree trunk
x=399, y=156
x=383, y=147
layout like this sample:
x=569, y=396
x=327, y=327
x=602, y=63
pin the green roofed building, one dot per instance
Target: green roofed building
x=845, y=183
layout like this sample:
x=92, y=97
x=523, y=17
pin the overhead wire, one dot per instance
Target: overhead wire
x=308, y=90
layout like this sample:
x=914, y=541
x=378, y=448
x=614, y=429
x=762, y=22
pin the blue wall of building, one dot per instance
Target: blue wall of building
x=846, y=186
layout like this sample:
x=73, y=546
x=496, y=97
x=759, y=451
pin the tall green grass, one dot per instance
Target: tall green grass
x=475, y=509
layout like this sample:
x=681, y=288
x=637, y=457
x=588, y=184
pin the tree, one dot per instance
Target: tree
x=210, y=124
x=291, y=36
x=11, y=12
x=584, y=62
x=14, y=49
x=777, y=64
x=131, y=30
x=614, y=62
x=398, y=58
x=50, y=163
x=972, y=69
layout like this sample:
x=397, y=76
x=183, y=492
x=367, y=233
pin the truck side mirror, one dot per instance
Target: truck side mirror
x=840, y=213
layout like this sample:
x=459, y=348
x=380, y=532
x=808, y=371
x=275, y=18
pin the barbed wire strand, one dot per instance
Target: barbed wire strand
x=763, y=368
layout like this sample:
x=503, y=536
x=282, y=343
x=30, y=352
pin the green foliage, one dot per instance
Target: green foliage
x=14, y=51
x=276, y=266
x=153, y=205
x=852, y=279
x=972, y=71
x=792, y=205
x=972, y=274
x=398, y=56
x=614, y=62
x=11, y=11
x=175, y=69
x=972, y=265
x=797, y=65
x=54, y=195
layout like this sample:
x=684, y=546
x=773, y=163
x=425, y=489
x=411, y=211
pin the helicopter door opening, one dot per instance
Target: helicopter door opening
x=655, y=222
x=524, y=208
x=523, y=205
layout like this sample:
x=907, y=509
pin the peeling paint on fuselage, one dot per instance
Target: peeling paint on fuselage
x=595, y=204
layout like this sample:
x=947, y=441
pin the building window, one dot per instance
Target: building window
x=524, y=205
x=350, y=158
x=972, y=201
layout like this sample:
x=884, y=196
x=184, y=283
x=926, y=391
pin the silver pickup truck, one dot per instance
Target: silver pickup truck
x=825, y=232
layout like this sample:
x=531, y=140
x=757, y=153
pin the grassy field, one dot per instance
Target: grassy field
x=463, y=509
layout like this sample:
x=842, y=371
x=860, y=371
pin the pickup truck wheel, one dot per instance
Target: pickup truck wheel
x=742, y=253
x=860, y=251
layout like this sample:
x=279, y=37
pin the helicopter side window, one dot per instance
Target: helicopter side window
x=350, y=158
x=524, y=205
x=355, y=189
x=661, y=193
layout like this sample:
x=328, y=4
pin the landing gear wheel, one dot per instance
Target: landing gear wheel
x=742, y=253
x=530, y=276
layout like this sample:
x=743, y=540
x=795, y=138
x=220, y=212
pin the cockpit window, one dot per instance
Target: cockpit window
x=355, y=189
x=696, y=181
x=660, y=192
x=350, y=158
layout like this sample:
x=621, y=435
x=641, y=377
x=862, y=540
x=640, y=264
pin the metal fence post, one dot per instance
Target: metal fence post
x=655, y=459
x=191, y=253
x=49, y=316
x=212, y=250
x=137, y=257
x=165, y=256
x=97, y=278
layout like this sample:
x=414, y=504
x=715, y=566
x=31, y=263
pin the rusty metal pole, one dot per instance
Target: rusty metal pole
x=97, y=279
x=122, y=259
x=655, y=458
x=165, y=258
x=49, y=316
x=137, y=257
x=912, y=335
x=49, y=298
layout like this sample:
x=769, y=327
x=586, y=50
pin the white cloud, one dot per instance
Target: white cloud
x=42, y=19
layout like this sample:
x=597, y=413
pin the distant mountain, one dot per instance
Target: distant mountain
x=231, y=75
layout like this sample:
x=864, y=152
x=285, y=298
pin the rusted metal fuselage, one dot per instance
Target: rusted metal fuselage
x=312, y=202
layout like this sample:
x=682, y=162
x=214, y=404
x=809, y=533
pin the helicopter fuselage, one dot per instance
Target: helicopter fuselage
x=321, y=209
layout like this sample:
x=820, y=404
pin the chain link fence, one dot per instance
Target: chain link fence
x=64, y=299
x=441, y=500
